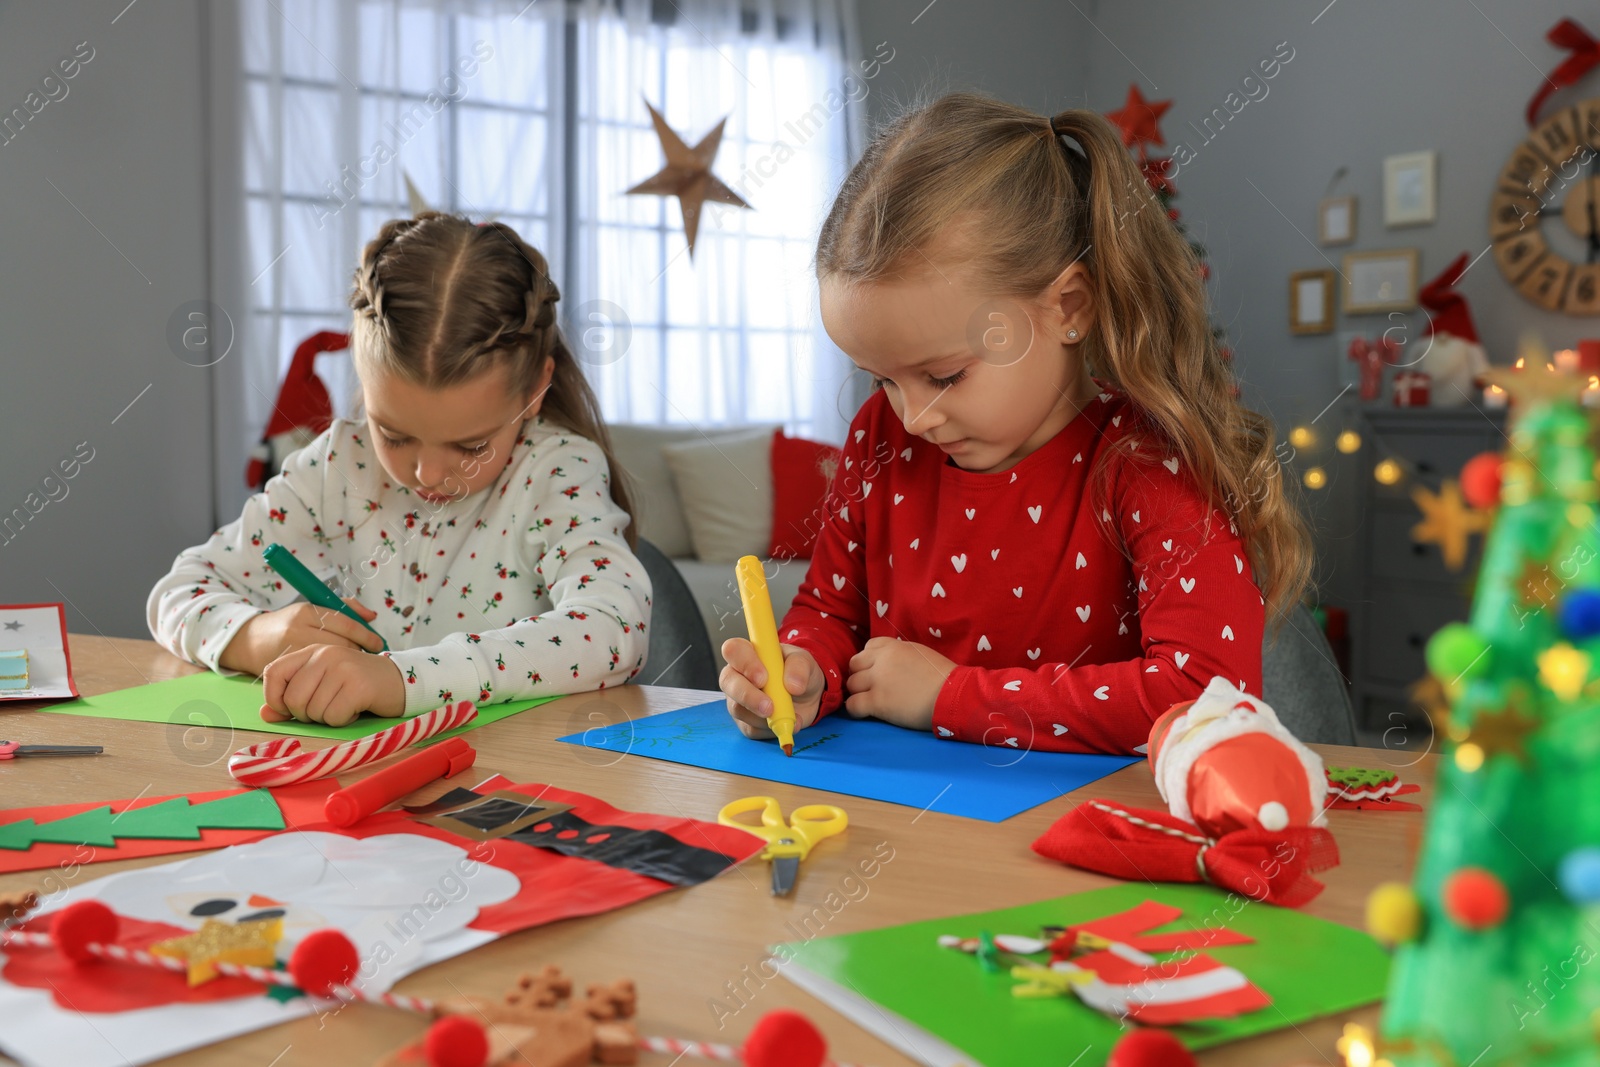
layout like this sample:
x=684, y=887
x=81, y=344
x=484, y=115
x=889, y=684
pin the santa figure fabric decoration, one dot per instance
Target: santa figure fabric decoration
x=1245, y=798
x=302, y=411
x=1452, y=357
x=1224, y=762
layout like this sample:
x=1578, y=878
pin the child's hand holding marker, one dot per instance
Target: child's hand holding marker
x=327, y=684
x=762, y=661
x=744, y=681
x=265, y=637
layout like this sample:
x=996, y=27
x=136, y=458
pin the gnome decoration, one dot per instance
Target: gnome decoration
x=1453, y=358
x=302, y=411
x=1246, y=804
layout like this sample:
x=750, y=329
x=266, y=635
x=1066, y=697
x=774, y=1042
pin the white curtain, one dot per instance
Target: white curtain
x=730, y=335
x=534, y=113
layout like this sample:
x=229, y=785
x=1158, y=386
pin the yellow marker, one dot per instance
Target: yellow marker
x=764, y=635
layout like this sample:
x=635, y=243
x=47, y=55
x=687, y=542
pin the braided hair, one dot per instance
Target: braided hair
x=439, y=300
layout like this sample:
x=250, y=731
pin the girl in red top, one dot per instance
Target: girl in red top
x=1052, y=520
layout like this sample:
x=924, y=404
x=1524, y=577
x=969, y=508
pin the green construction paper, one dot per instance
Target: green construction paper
x=17, y=835
x=255, y=810
x=170, y=820
x=234, y=702
x=1309, y=967
x=92, y=827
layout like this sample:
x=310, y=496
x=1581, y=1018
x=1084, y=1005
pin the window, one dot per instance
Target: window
x=535, y=114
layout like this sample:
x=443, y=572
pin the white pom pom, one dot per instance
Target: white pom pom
x=1273, y=816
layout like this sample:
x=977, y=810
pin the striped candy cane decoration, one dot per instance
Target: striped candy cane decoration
x=281, y=761
x=123, y=954
x=705, y=1050
x=94, y=914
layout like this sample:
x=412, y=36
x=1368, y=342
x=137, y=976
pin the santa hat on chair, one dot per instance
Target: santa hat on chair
x=302, y=411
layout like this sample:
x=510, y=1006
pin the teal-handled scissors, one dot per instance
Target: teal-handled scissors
x=787, y=842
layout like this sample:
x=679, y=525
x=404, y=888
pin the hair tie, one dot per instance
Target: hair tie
x=1057, y=126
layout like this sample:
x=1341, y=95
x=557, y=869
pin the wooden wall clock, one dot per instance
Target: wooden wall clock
x=1554, y=175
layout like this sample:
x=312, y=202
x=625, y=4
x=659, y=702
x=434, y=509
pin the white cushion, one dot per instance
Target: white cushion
x=657, y=514
x=725, y=489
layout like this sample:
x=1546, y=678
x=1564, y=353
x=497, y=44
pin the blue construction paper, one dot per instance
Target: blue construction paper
x=862, y=758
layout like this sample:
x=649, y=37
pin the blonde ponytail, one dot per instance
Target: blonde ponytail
x=1041, y=203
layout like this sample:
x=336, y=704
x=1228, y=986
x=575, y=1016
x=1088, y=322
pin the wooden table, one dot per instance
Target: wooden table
x=684, y=948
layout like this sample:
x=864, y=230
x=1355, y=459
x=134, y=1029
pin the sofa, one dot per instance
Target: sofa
x=705, y=498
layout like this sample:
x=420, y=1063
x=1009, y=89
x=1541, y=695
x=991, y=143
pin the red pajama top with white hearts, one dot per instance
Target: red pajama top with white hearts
x=1077, y=615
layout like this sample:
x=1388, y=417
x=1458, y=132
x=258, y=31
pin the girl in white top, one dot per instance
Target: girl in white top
x=472, y=518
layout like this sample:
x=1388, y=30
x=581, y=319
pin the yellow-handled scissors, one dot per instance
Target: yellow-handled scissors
x=787, y=842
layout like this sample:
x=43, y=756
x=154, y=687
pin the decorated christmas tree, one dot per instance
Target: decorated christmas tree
x=1497, y=937
x=1140, y=122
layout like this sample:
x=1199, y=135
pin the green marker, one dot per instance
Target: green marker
x=306, y=584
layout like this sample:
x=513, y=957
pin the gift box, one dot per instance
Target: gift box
x=13, y=669
x=1411, y=389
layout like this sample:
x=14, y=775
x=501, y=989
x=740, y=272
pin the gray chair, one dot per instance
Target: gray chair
x=680, y=648
x=1302, y=682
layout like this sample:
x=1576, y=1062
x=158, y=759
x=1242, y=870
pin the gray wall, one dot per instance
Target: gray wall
x=102, y=223
x=1031, y=52
x=1367, y=80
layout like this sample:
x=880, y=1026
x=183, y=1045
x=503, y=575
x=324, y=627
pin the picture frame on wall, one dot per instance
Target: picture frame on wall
x=1409, y=187
x=1376, y=282
x=1336, y=220
x=1311, y=301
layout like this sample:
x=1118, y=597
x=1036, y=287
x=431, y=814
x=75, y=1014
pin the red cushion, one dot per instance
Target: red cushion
x=802, y=471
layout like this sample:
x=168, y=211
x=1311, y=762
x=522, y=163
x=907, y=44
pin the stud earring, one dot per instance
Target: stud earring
x=1072, y=335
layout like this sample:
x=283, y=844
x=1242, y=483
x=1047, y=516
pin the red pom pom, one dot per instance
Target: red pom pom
x=1475, y=898
x=456, y=1041
x=77, y=926
x=323, y=959
x=1150, y=1048
x=784, y=1038
x=1480, y=480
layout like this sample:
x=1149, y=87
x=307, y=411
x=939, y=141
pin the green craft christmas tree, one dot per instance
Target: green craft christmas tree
x=1498, y=938
x=174, y=819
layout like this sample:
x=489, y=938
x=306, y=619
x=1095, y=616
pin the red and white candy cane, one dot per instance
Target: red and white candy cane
x=281, y=761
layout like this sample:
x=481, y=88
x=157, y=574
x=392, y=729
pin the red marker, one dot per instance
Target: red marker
x=355, y=802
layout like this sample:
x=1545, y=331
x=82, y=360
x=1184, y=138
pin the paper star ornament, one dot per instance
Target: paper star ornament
x=1140, y=119
x=687, y=174
x=1532, y=387
x=252, y=944
x=1503, y=732
x=1447, y=522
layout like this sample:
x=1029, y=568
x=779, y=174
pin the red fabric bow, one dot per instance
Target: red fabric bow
x=1372, y=355
x=1263, y=865
x=1584, y=58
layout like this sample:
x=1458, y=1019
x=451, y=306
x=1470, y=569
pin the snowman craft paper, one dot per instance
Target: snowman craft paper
x=407, y=895
x=405, y=901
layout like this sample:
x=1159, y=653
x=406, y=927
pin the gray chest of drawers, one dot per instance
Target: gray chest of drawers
x=1407, y=592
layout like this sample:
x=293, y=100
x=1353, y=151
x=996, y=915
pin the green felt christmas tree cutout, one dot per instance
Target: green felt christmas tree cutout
x=92, y=827
x=17, y=835
x=170, y=820
x=1496, y=961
